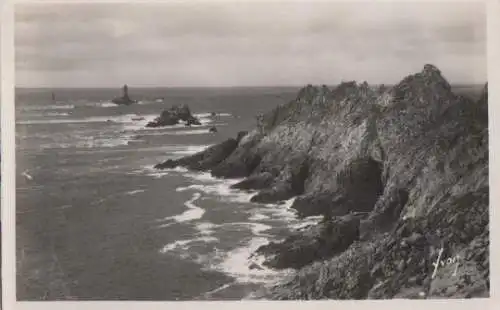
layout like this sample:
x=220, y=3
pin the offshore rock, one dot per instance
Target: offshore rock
x=173, y=116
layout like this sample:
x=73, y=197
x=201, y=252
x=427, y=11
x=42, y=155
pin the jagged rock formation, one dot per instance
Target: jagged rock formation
x=173, y=116
x=410, y=161
x=124, y=99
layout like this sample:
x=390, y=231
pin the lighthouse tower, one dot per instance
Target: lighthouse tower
x=125, y=91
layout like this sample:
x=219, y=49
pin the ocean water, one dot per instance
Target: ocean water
x=95, y=221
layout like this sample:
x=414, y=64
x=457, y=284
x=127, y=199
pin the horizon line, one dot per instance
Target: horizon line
x=214, y=87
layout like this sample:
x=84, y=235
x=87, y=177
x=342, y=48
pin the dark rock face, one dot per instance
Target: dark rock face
x=412, y=158
x=257, y=181
x=173, y=116
x=124, y=99
x=204, y=160
x=316, y=243
x=360, y=176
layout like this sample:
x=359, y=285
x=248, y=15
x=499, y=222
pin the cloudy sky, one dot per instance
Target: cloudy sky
x=246, y=44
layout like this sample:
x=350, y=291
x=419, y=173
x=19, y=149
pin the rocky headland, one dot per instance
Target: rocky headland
x=399, y=174
x=174, y=116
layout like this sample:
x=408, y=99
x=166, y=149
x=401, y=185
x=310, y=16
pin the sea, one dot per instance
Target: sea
x=96, y=221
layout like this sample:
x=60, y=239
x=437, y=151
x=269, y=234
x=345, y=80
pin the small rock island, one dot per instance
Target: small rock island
x=174, y=116
x=124, y=99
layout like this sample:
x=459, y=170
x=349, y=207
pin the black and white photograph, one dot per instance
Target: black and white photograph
x=251, y=150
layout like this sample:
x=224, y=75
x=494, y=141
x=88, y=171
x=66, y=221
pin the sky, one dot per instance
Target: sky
x=246, y=43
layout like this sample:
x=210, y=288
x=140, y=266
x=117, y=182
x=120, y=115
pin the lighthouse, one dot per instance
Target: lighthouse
x=125, y=91
x=124, y=99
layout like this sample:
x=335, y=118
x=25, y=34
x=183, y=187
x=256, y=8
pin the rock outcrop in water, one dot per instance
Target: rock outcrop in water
x=124, y=99
x=400, y=175
x=174, y=116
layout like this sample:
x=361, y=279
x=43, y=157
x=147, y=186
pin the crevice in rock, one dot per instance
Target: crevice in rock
x=358, y=188
x=385, y=215
x=299, y=178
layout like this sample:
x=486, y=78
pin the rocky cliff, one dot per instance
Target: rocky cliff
x=400, y=175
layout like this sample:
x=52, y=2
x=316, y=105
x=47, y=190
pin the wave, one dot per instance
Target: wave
x=222, y=190
x=258, y=217
x=106, y=104
x=135, y=192
x=56, y=114
x=121, y=119
x=190, y=150
x=183, y=244
x=89, y=142
x=192, y=213
x=240, y=261
x=209, y=115
x=48, y=107
x=245, y=267
x=188, y=132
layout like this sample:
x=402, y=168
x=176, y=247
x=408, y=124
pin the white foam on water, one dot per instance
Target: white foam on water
x=207, y=118
x=103, y=142
x=203, y=177
x=187, y=132
x=95, y=119
x=237, y=263
x=206, y=228
x=57, y=121
x=56, y=114
x=179, y=169
x=257, y=228
x=279, y=211
x=209, y=115
x=221, y=190
x=135, y=192
x=220, y=288
x=139, y=122
x=158, y=174
x=166, y=132
x=192, y=213
x=184, y=244
x=164, y=225
x=107, y=104
x=312, y=220
x=90, y=142
x=49, y=107
x=186, y=149
x=258, y=217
